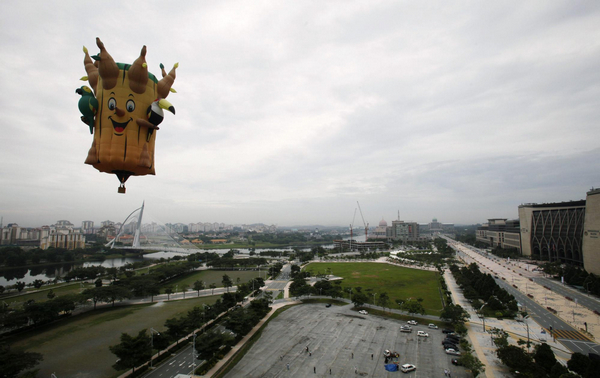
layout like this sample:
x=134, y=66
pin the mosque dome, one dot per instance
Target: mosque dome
x=383, y=223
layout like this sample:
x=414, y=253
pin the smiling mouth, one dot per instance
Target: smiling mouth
x=119, y=126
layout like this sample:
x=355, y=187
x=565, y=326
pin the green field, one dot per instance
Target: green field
x=78, y=347
x=213, y=276
x=42, y=294
x=397, y=282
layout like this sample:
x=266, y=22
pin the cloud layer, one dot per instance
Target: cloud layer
x=289, y=112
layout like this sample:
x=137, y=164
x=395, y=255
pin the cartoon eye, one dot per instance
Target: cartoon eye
x=112, y=103
x=130, y=105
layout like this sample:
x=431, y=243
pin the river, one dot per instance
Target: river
x=48, y=272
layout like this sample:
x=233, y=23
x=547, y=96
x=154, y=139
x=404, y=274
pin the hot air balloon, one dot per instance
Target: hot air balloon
x=128, y=108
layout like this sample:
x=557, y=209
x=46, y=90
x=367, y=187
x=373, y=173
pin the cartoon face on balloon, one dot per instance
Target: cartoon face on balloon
x=127, y=109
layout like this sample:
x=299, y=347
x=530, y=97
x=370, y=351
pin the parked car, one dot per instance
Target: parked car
x=446, y=330
x=422, y=334
x=412, y=322
x=453, y=352
x=363, y=312
x=432, y=326
x=453, y=337
x=405, y=329
x=408, y=367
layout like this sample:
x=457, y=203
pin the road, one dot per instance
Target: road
x=567, y=335
x=183, y=362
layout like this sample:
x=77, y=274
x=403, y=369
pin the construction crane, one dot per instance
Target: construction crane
x=366, y=224
x=351, y=228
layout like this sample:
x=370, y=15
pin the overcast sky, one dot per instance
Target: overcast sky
x=289, y=112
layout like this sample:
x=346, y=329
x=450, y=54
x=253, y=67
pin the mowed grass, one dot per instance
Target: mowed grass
x=42, y=295
x=213, y=276
x=78, y=347
x=397, y=282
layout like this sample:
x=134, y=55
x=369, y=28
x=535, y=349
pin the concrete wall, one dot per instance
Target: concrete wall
x=591, y=233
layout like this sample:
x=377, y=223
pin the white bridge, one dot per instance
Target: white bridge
x=138, y=232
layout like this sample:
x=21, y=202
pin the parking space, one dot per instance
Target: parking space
x=313, y=340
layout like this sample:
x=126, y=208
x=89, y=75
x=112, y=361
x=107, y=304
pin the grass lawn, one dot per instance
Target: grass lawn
x=78, y=347
x=397, y=282
x=213, y=276
x=41, y=296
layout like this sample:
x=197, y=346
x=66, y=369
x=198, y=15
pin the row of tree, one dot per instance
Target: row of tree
x=13, y=256
x=541, y=362
x=133, y=351
x=482, y=289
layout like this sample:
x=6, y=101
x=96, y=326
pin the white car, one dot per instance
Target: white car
x=412, y=322
x=408, y=367
x=432, y=326
x=453, y=352
x=422, y=334
x=363, y=312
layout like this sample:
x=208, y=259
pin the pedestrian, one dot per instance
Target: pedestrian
x=371, y=355
x=281, y=358
x=288, y=366
x=445, y=372
x=352, y=355
x=355, y=370
x=310, y=354
x=315, y=369
x=449, y=374
x=329, y=371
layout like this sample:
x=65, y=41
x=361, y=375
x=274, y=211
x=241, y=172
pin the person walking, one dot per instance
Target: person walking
x=315, y=369
x=288, y=366
x=445, y=372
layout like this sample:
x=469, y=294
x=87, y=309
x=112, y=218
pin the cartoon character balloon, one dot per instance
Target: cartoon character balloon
x=123, y=108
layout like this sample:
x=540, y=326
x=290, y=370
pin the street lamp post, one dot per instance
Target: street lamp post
x=152, y=330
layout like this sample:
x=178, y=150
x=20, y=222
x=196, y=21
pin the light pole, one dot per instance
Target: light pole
x=152, y=330
x=374, y=294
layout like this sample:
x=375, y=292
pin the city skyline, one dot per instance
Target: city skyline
x=289, y=113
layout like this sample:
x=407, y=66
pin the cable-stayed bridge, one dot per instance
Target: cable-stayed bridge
x=162, y=242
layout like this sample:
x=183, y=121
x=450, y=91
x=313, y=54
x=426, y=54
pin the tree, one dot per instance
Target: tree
x=472, y=363
x=558, y=370
x=454, y=314
x=578, y=363
x=13, y=363
x=544, y=357
x=413, y=307
x=184, y=288
x=209, y=343
x=176, y=328
x=212, y=286
x=98, y=282
x=38, y=283
x=515, y=358
x=19, y=286
x=132, y=351
x=359, y=298
x=227, y=283
x=169, y=291
x=198, y=285
x=383, y=300
x=50, y=294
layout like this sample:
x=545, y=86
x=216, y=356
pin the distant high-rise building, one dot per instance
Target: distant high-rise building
x=87, y=227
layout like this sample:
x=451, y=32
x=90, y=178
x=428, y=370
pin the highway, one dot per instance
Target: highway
x=567, y=335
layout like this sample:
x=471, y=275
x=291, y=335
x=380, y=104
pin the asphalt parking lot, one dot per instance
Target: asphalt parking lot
x=341, y=343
